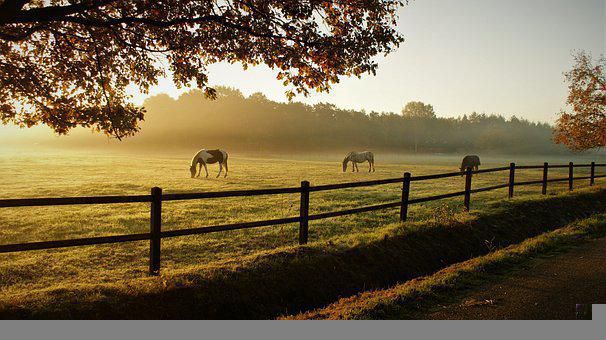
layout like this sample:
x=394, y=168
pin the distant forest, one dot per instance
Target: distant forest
x=257, y=124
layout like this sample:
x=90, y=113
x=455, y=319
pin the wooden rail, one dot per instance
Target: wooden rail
x=156, y=198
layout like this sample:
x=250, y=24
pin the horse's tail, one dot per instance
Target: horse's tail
x=225, y=157
x=371, y=157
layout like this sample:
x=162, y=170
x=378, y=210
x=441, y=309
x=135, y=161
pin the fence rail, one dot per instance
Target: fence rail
x=157, y=197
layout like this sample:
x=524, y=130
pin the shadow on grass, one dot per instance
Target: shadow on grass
x=296, y=279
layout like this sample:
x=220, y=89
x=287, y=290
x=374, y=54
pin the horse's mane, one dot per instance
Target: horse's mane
x=193, y=160
x=348, y=157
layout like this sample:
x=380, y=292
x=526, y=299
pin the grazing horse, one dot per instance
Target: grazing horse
x=470, y=161
x=359, y=157
x=204, y=157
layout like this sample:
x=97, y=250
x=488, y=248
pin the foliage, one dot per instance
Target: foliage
x=584, y=127
x=67, y=63
x=418, y=109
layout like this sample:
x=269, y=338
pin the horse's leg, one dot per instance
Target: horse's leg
x=369, y=166
x=353, y=166
x=199, y=169
x=220, y=169
x=225, y=169
x=205, y=170
x=357, y=168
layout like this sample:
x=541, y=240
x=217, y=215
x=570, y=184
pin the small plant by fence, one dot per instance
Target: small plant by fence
x=156, y=197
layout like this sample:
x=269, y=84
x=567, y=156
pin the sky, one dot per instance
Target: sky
x=489, y=56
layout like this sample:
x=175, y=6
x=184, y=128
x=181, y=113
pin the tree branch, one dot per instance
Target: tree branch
x=12, y=6
x=45, y=14
x=23, y=35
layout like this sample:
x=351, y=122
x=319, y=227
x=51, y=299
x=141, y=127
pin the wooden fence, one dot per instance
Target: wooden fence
x=156, y=198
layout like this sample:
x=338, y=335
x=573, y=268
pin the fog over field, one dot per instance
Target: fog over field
x=259, y=126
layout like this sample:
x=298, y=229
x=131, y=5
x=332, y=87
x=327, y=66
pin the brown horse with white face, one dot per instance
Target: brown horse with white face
x=204, y=157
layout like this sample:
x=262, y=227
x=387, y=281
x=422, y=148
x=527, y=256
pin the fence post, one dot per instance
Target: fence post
x=545, y=169
x=570, y=175
x=405, y=195
x=155, y=227
x=592, y=174
x=467, y=188
x=512, y=176
x=304, y=213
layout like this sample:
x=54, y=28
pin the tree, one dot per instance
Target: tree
x=584, y=127
x=67, y=63
x=418, y=109
x=419, y=113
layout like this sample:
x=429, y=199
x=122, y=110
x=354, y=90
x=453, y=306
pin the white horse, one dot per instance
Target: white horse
x=359, y=157
x=204, y=157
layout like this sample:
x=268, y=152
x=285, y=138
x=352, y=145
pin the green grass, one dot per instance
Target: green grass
x=125, y=265
x=408, y=300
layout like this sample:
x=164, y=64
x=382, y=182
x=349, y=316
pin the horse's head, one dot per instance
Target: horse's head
x=345, y=161
x=192, y=170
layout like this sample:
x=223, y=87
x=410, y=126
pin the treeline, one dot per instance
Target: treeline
x=255, y=123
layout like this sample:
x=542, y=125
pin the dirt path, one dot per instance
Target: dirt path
x=547, y=288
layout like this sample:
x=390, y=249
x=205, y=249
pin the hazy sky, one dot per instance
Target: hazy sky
x=490, y=56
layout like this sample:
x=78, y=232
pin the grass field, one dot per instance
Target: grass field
x=87, y=174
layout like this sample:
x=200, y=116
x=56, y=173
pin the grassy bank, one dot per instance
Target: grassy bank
x=290, y=279
x=410, y=299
